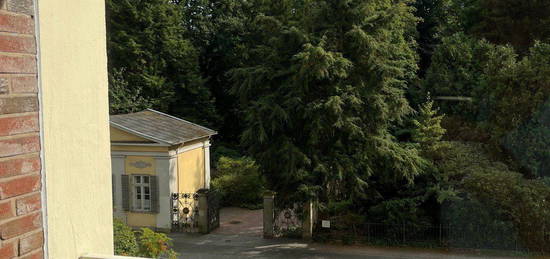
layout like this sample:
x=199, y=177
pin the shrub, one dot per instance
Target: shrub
x=530, y=145
x=222, y=150
x=239, y=182
x=125, y=239
x=525, y=202
x=494, y=199
x=399, y=211
x=476, y=225
x=147, y=243
x=155, y=245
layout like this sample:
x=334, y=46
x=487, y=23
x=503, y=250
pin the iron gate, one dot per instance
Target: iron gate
x=185, y=212
x=287, y=221
x=186, y=209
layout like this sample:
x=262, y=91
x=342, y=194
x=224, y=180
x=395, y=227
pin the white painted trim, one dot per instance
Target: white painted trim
x=136, y=153
x=194, y=139
x=120, y=127
x=118, y=167
x=43, y=191
x=139, y=144
x=189, y=147
x=206, y=148
x=162, y=167
x=143, y=185
x=173, y=174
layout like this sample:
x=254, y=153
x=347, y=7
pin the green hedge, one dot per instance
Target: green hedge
x=239, y=182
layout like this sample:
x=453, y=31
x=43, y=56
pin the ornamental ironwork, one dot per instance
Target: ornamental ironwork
x=184, y=212
x=287, y=220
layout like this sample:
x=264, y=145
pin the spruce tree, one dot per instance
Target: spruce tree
x=428, y=131
x=321, y=86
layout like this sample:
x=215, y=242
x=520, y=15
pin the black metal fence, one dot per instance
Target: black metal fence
x=213, y=217
x=447, y=236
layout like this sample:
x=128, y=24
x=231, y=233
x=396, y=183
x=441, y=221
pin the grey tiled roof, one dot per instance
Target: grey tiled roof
x=160, y=127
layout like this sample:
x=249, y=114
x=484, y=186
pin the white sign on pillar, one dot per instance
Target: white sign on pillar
x=325, y=223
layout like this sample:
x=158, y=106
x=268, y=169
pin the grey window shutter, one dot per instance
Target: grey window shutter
x=125, y=192
x=154, y=194
x=113, y=186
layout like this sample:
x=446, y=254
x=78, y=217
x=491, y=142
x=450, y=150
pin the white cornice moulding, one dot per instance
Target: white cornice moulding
x=136, y=153
x=139, y=144
x=190, y=147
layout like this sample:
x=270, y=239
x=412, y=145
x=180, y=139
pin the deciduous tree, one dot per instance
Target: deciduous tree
x=151, y=61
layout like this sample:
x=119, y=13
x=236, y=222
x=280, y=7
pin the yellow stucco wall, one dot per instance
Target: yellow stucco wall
x=191, y=170
x=121, y=136
x=141, y=219
x=140, y=165
x=74, y=103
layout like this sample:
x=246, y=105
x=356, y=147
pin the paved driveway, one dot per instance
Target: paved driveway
x=239, y=236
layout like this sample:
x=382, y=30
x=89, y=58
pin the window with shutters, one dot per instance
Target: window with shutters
x=141, y=193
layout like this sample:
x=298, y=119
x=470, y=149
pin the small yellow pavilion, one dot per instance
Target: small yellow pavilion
x=154, y=155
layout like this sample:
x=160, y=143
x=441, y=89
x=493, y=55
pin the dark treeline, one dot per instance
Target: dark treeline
x=342, y=99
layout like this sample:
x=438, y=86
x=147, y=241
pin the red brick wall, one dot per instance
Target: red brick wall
x=21, y=233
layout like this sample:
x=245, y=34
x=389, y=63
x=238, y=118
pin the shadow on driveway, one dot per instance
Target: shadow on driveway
x=239, y=236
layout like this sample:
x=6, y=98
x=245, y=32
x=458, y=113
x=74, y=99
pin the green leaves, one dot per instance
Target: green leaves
x=152, y=64
x=239, y=182
x=428, y=131
x=319, y=64
x=508, y=92
x=155, y=245
x=320, y=83
x=145, y=242
x=125, y=242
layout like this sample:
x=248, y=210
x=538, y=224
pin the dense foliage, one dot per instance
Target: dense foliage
x=420, y=112
x=144, y=243
x=125, y=239
x=155, y=245
x=483, y=194
x=509, y=93
x=239, y=182
x=304, y=87
x=151, y=63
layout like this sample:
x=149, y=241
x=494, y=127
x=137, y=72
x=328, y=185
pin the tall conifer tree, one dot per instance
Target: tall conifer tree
x=322, y=84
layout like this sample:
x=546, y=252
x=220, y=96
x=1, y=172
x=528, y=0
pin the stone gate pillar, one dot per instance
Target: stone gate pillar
x=203, y=211
x=308, y=220
x=269, y=198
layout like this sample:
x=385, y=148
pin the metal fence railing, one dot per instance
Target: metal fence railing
x=448, y=236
